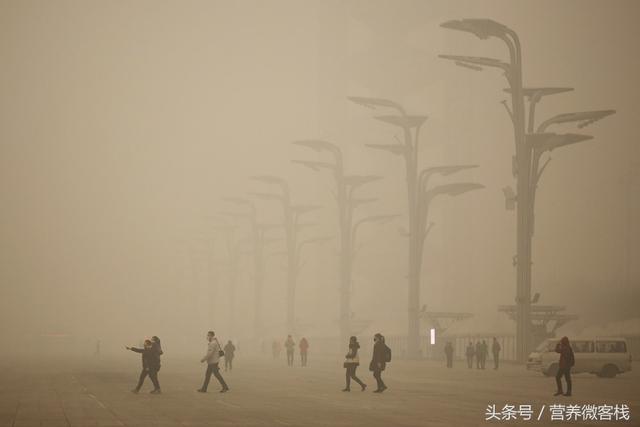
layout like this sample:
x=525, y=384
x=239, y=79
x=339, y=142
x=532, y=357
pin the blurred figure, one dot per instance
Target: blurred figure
x=469, y=353
x=381, y=355
x=150, y=366
x=495, y=349
x=478, y=354
x=214, y=353
x=289, y=344
x=484, y=352
x=351, y=363
x=565, y=364
x=448, y=351
x=304, y=348
x=275, y=349
x=229, y=354
x=97, y=353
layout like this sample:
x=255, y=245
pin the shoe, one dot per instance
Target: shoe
x=363, y=386
x=224, y=390
x=557, y=393
x=201, y=390
x=567, y=394
x=135, y=391
x=346, y=389
x=155, y=391
x=377, y=391
x=384, y=387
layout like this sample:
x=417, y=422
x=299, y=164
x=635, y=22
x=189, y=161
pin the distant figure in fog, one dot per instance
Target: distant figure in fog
x=150, y=366
x=351, y=363
x=275, y=349
x=565, y=364
x=97, y=353
x=381, y=355
x=478, y=354
x=484, y=352
x=304, y=348
x=290, y=345
x=229, y=354
x=448, y=351
x=214, y=353
x=469, y=353
x=495, y=349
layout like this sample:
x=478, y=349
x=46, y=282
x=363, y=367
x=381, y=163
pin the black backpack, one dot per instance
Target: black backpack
x=387, y=353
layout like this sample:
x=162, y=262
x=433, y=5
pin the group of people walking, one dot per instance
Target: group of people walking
x=480, y=351
x=381, y=356
x=151, y=352
x=290, y=346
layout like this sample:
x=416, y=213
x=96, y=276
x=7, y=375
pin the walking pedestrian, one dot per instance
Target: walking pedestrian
x=478, y=354
x=304, y=348
x=567, y=360
x=229, y=354
x=214, y=353
x=381, y=356
x=448, y=351
x=351, y=363
x=289, y=344
x=469, y=353
x=484, y=352
x=495, y=349
x=150, y=366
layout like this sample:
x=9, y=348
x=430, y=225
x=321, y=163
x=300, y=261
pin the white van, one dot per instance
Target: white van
x=603, y=356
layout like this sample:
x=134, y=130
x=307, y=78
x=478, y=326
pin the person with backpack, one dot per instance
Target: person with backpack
x=381, y=356
x=567, y=360
x=150, y=366
x=351, y=363
x=214, y=353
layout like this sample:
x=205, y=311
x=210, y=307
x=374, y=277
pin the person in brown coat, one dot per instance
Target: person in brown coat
x=565, y=364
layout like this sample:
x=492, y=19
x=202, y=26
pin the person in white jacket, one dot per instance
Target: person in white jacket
x=213, y=358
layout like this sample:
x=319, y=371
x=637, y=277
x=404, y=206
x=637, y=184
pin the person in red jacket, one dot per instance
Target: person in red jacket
x=564, y=366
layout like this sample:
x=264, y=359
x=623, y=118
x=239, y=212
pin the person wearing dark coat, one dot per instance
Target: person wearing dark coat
x=229, y=354
x=448, y=351
x=351, y=363
x=565, y=364
x=495, y=349
x=469, y=353
x=150, y=365
x=378, y=361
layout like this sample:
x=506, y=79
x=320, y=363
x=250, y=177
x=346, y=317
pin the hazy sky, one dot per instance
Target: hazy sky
x=122, y=124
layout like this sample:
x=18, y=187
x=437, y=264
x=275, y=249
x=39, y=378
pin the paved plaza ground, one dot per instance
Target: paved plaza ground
x=266, y=392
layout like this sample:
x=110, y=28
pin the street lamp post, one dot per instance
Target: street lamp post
x=292, y=227
x=346, y=203
x=418, y=200
x=526, y=161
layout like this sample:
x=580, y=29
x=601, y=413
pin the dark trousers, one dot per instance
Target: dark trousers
x=351, y=375
x=228, y=363
x=153, y=374
x=377, y=374
x=449, y=361
x=214, y=369
x=290, y=357
x=567, y=377
x=496, y=360
x=470, y=361
x=303, y=358
x=483, y=360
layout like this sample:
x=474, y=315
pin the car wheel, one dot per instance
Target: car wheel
x=609, y=371
x=551, y=371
